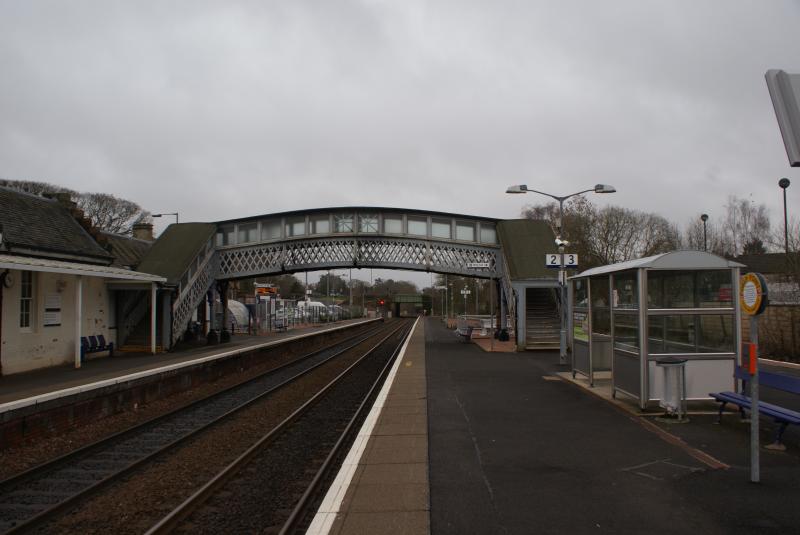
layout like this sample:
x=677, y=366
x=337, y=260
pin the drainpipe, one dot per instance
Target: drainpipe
x=2, y=288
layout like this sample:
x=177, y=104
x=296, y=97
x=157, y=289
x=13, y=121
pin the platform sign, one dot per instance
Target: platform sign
x=477, y=265
x=553, y=260
x=753, y=295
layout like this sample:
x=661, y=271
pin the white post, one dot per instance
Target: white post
x=78, y=318
x=153, y=318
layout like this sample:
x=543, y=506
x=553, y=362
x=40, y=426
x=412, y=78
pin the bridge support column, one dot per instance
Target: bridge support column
x=222, y=288
x=212, y=337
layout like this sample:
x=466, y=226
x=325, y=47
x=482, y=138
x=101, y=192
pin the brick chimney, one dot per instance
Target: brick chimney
x=143, y=231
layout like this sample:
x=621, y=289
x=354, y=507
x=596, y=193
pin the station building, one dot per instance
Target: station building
x=59, y=281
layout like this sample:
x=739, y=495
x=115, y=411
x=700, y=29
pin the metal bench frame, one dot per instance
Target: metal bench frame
x=782, y=416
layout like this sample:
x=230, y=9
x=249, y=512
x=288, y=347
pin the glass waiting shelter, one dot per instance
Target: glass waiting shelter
x=683, y=304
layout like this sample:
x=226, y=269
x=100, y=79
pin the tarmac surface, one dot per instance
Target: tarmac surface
x=515, y=449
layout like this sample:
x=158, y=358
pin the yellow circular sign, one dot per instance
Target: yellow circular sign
x=753, y=293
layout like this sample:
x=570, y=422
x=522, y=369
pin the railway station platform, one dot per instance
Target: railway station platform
x=513, y=447
x=36, y=386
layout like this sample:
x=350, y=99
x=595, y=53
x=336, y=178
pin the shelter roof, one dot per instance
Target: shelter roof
x=177, y=246
x=38, y=226
x=525, y=241
x=675, y=260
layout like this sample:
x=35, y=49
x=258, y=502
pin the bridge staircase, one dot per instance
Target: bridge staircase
x=542, y=322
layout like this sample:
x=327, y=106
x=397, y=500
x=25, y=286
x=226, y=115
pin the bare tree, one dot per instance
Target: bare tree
x=106, y=212
x=745, y=227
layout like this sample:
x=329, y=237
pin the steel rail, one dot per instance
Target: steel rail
x=47, y=512
x=196, y=500
x=301, y=507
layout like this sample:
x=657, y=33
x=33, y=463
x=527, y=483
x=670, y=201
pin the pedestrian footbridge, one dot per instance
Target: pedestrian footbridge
x=199, y=257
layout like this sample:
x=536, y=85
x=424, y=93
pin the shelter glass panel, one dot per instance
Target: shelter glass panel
x=393, y=224
x=488, y=233
x=343, y=223
x=417, y=225
x=580, y=325
x=320, y=224
x=465, y=231
x=295, y=226
x=580, y=293
x=271, y=230
x=226, y=236
x=248, y=232
x=601, y=312
x=440, y=228
x=688, y=333
x=692, y=289
x=626, y=331
x=626, y=291
x=368, y=223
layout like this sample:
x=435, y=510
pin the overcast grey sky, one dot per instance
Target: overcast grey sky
x=224, y=109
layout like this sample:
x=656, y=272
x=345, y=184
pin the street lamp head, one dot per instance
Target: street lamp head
x=522, y=188
x=704, y=217
x=604, y=188
x=784, y=183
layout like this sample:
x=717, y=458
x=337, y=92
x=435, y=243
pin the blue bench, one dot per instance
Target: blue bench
x=95, y=344
x=782, y=416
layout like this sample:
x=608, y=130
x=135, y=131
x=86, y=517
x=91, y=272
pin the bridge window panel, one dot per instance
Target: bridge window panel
x=418, y=225
x=226, y=236
x=295, y=226
x=368, y=223
x=440, y=228
x=343, y=223
x=271, y=230
x=488, y=233
x=248, y=232
x=393, y=224
x=465, y=231
x=320, y=224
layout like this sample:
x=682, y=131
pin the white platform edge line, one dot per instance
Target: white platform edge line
x=331, y=504
x=48, y=396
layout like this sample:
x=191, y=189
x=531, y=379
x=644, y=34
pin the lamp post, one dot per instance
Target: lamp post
x=166, y=213
x=784, y=183
x=562, y=272
x=704, y=217
x=465, y=292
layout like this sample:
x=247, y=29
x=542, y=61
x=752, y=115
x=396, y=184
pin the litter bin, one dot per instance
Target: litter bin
x=674, y=399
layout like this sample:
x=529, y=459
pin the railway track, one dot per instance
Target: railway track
x=36, y=496
x=275, y=485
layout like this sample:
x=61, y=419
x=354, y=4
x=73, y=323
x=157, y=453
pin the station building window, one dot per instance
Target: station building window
x=26, y=300
x=440, y=228
x=343, y=223
x=393, y=224
x=488, y=233
x=465, y=231
x=368, y=223
x=248, y=232
x=295, y=226
x=271, y=230
x=418, y=225
x=225, y=236
x=320, y=224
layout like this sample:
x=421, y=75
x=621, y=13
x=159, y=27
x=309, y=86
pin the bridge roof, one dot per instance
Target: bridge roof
x=361, y=209
x=525, y=241
x=175, y=249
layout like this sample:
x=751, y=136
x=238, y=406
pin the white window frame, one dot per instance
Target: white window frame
x=27, y=279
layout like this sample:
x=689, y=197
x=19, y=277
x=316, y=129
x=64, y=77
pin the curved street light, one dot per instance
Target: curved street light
x=562, y=273
x=704, y=218
x=784, y=183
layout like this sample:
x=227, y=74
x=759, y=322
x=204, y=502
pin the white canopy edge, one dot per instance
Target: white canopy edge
x=27, y=263
x=675, y=260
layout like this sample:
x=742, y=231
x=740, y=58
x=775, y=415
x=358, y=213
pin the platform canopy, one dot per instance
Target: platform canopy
x=27, y=263
x=683, y=260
